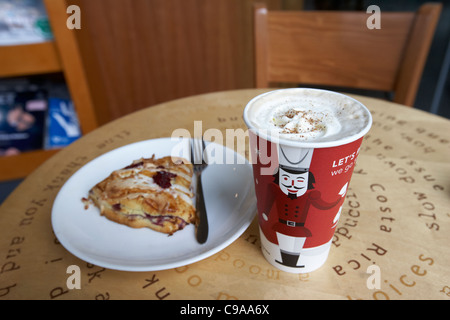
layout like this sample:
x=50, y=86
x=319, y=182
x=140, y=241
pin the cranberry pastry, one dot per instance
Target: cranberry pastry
x=153, y=193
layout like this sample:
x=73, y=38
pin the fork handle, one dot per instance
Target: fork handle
x=202, y=224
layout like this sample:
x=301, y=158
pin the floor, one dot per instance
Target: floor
x=7, y=187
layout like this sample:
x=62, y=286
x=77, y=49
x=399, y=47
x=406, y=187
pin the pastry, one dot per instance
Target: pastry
x=152, y=193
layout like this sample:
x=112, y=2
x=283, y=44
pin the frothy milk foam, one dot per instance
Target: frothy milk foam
x=308, y=115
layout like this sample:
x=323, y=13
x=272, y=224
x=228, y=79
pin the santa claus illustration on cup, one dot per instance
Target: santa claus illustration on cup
x=293, y=193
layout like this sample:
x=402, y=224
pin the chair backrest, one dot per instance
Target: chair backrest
x=336, y=48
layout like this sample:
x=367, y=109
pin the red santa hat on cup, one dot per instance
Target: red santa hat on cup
x=294, y=158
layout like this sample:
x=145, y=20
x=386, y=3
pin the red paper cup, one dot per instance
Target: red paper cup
x=301, y=185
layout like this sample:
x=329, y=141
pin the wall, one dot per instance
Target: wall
x=151, y=51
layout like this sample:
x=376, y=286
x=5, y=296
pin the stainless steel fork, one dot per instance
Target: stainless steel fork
x=198, y=160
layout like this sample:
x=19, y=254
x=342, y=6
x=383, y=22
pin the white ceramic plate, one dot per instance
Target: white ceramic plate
x=230, y=203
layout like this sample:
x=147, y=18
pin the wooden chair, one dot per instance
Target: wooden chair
x=336, y=48
x=61, y=55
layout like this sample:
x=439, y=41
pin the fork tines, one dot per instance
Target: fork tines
x=197, y=151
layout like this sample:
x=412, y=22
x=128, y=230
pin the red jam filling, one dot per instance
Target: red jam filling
x=162, y=179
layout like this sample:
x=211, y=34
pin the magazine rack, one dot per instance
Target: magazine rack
x=60, y=55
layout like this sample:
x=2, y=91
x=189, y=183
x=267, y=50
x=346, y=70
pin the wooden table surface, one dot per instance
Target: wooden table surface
x=394, y=228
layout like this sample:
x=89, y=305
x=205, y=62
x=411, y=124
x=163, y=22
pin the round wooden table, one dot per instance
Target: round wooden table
x=392, y=241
